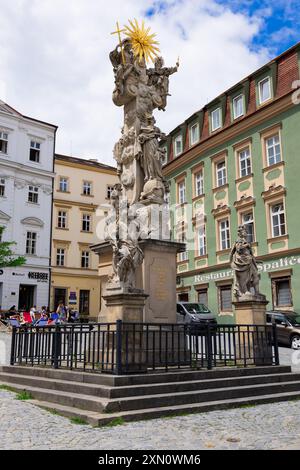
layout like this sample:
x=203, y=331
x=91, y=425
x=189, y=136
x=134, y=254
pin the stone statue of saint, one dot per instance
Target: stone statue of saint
x=244, y=265
x=159, y=78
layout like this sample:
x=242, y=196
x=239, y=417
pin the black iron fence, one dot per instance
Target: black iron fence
x=123, y=348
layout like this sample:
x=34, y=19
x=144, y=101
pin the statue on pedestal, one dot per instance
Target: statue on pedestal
x=244, y=265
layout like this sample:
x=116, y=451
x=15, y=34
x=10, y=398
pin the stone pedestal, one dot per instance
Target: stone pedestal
x=250, y=311
x=253, y=341
x=156, y=277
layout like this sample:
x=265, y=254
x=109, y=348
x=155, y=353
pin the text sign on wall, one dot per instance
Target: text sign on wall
x=262, y=267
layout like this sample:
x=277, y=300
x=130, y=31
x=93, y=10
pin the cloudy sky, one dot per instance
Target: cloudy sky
x=54, y=62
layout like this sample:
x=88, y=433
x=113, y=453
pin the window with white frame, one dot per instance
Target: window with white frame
x=224, y=234
x=264, y=90
x=31, y=243
x=181, y=192
x=221, y=177
x=215, y=119
x=60, y=256
x=33, y=194
x=34, y=151
x=199, y=183
x=87, y=188
x=248, y=221
x=278, y=220
x=63, y=184
x=183, y=256
x=86, y=222
x=85, y=259
x=194, y=134
x=3, y=142
x=164, y=155
x=2, y=187
x=178, y=147
x=238, y=106
x=201, y=239
x=62, y=219
x=109, y=190
x=273, y=149
x=245, y=162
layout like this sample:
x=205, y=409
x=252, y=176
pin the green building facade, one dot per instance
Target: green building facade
x=237, y=161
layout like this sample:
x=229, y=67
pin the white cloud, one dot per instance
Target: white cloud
x=55, y=67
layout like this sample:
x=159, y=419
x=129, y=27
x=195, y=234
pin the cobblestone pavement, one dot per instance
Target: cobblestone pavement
x=272, y=426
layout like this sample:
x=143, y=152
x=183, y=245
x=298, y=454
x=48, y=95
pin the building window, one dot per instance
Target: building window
x=62, y=219
x=84, y=302
x=224, y=232
x=273, y=149
x=225, y=298
x=33, y=194
x=199, y=183
x=164, y=155
x=216, y=119
x=264, y=90
x=63, y=184
x=238, y=106
x=282, y=294
x=247, y=220
x=109, y=190
x=245, y=162
x=34, y=152
x=60, y=256
x=31, y=243
x=3, y=142
x=278, y=220
x=183, y=256
x=2, y=187
x=86, y=223
x=181, y=192
x=194, y=134
x=201, y=235
x=203, y=296
x=87, y=188
x=221, y=177
x=178, y=148
x=85, y=259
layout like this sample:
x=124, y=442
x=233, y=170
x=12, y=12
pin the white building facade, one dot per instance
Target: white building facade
x=27, y=149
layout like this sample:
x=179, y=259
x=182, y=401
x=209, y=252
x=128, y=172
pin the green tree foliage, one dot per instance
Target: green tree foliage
x=7, y=257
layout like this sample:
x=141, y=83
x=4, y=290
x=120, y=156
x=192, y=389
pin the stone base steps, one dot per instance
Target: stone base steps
x=102, y=419
x=101, y=398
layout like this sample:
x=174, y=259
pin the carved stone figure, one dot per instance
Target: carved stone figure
x=244, y=265
x=159, y=78
x=139, y=90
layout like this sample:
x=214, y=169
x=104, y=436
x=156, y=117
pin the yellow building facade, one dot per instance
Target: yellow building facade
x=81, y=192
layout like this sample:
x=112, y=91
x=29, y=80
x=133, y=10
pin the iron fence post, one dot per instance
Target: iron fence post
x=119, y=328
x=275, y=339
x=209, y=348
x=55, y=347
x=12, y=349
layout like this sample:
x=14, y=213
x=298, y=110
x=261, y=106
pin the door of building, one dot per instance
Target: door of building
x=26, y=297
x=84, y=302
x=60, y=295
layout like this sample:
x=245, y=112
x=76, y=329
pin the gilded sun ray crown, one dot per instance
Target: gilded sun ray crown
x=143, y=43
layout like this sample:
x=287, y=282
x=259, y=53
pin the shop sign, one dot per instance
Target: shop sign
x=39, y=277
x=264, y=267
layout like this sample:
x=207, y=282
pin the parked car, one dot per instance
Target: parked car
x=198, y=316
x=288, y=327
